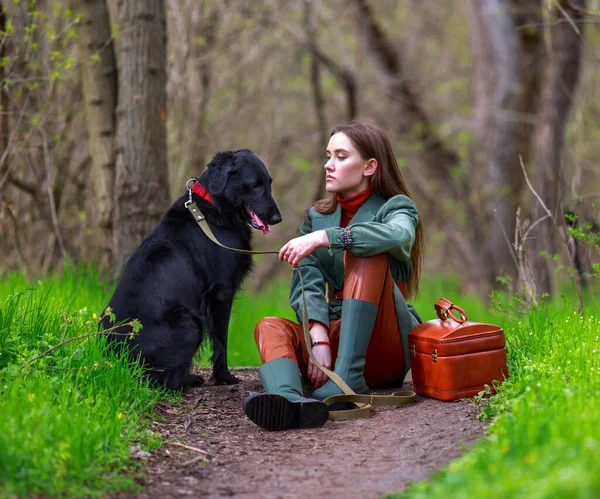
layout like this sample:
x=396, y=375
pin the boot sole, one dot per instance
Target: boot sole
x=274, y=412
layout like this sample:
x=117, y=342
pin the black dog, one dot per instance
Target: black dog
x=180, y=284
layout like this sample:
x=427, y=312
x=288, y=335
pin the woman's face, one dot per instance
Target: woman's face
x=348, y=173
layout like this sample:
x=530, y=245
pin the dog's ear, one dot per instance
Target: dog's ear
x=220, y=169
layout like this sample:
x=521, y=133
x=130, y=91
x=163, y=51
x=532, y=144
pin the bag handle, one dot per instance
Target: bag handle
x=444, y=308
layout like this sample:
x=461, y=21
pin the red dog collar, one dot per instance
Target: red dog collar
x=201, y=191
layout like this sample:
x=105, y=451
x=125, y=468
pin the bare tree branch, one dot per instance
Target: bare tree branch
x=567, y=17
x=510, y=246
x=27, y=187
x=528, y=280
x=582, y=10
x=537, y=196
x=343, y=74
x=52, y=204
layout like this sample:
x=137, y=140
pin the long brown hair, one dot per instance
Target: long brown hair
x=387, y=181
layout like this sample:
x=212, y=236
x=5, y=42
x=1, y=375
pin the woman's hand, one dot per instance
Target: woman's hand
x=322, y=353
x=296, y=249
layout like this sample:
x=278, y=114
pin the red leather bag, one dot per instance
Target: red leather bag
x=453, y=358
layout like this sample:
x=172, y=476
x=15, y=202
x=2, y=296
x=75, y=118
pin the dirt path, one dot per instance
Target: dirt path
x=362, y=458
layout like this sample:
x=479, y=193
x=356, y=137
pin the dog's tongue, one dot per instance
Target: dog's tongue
x=265, y=228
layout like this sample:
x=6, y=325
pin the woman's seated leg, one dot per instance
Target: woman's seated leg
x=370, y=279
x=281, y=346
x=363, y=286
x=281, y=338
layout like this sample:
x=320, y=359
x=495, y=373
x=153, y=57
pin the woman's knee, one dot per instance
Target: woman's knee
x=275, y=338
x=366, y=264
x=364, y=277
x=269, y=326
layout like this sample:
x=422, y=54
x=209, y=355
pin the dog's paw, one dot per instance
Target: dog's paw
x=224, y=379
x=194, y=380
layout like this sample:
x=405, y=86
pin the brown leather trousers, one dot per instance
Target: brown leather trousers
x=365, y=278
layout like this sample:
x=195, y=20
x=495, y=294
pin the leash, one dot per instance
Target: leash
x=364, y=403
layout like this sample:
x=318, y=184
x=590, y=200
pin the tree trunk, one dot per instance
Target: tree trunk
x=560, y=82
x=141, y=187
x=484, y=72
x=99, y=85
x=515, y=39
x=202, y=39
x=318, y=99
x=345, y=78
x=437, y=159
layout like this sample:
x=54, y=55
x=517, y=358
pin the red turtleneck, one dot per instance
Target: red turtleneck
x=351, y=205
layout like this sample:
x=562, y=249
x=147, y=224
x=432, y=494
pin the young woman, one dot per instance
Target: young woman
x=360, y=256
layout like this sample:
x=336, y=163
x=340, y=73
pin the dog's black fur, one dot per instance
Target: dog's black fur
x=179, y=284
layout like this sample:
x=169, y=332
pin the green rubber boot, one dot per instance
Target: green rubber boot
x=283, y=406
x=358, y=319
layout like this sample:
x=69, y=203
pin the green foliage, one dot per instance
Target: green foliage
x=46, y=44
x=544, y=437
x=71, y=416
x=304, y=165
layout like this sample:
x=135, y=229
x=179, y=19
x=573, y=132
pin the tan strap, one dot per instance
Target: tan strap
x=363, y=410
x=364, y=403
x=203, y=224
x=403, y=397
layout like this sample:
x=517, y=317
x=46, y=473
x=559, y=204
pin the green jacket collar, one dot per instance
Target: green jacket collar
x=365, y=213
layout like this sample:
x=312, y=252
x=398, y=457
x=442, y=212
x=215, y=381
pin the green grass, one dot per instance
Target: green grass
x=70, y=419
x=544, y=438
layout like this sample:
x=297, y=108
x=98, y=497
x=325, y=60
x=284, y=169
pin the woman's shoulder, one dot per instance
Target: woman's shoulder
x=398, y=206
x=399, y=201
x=308, y=216
x=313, y=212
x=310, y=213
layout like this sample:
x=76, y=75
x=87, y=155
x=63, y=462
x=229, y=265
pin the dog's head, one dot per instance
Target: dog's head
x=239, y=181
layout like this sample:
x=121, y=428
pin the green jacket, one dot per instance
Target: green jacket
x=378, y=226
